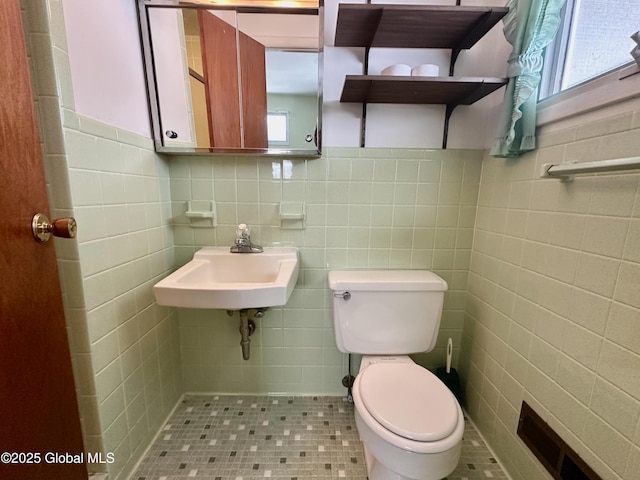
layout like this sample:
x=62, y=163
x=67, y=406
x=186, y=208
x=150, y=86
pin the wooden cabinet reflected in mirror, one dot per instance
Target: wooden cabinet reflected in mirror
x=233, y=79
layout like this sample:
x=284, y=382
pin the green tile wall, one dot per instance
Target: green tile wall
x=365, y=209
x=553, y=311
x=124, y=348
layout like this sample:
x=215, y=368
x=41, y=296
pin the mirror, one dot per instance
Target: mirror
x=233, y=78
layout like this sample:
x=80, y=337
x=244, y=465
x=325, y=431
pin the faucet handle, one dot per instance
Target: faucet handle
x=243, y=241
x=242, y=231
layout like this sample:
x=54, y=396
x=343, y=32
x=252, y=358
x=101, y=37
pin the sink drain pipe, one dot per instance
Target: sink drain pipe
x=247, y=327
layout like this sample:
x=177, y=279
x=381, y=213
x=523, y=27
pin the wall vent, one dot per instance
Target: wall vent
x=560, y=460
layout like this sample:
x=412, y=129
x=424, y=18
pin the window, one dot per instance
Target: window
x=593, y=39
x=278, y=128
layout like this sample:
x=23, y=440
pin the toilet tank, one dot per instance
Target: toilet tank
x=387, y=312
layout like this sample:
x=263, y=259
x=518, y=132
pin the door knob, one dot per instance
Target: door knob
x=60, y=227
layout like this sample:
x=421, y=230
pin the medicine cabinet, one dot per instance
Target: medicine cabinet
x=227, y=78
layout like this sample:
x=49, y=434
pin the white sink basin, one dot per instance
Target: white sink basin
x=216, y=278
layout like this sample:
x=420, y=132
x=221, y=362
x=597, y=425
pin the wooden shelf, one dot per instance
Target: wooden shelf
x=453, y=27
x=450, y=91
x=414, y=26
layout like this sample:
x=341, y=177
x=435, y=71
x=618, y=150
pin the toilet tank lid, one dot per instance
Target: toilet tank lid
x=386, y=280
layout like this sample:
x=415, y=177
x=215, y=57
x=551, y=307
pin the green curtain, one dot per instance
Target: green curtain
x=529, y=26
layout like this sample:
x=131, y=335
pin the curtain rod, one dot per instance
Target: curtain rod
x=566, y=171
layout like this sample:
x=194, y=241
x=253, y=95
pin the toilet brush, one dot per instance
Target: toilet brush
x=448, y=375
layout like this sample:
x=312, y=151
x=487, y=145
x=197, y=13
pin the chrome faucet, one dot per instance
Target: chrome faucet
x=243, y=241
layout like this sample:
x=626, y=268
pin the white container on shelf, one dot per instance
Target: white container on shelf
x=425, y=70
x=400, y=69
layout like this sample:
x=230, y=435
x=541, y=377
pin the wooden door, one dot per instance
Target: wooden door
x=253, y=74
x=38, y=408
x=220, y=71
x=236, y=106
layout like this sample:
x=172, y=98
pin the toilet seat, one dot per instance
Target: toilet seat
x=409, y=401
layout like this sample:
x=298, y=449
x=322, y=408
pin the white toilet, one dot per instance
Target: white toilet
x=409, y=422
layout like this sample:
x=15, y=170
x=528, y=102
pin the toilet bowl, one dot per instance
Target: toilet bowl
x=409, y=422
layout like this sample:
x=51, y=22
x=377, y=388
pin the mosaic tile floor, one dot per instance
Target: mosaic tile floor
x=294, y=438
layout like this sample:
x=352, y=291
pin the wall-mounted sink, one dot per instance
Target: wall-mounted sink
x=216, y=278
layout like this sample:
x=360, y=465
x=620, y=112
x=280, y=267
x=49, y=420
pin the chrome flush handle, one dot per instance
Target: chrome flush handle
x=342, y=295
